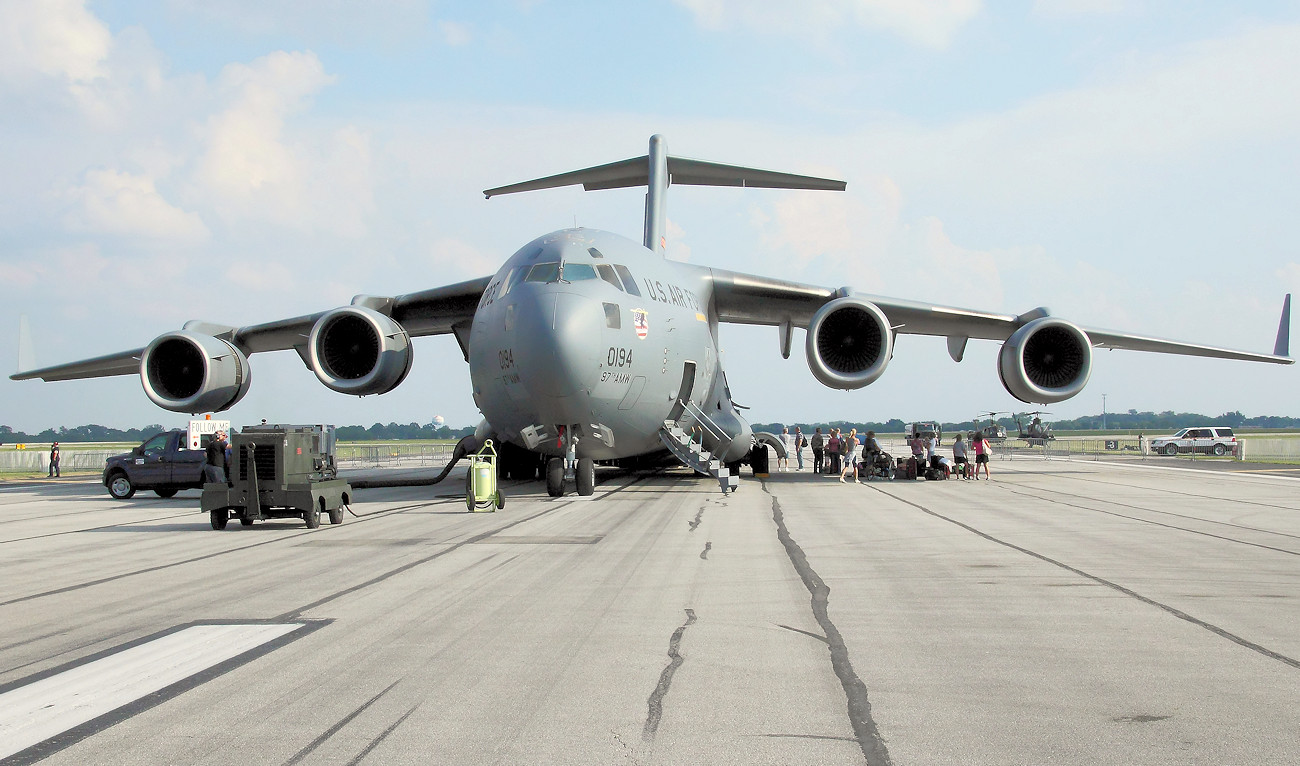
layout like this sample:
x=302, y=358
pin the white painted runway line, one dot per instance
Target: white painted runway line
x=46, y=708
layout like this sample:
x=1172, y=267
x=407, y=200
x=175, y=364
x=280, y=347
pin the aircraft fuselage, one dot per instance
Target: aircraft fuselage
x=592, y=332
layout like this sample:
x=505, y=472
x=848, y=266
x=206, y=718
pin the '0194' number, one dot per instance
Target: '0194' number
x=618, y=357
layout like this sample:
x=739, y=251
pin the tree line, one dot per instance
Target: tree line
x=1132, y=420
x=98, y=433
x=1114, y=421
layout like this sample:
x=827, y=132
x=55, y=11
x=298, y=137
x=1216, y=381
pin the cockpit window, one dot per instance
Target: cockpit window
x=544, y=272
x=595, y=253
x=512, y=280
x=628, y=282
x=607, y=273
x=577, y=272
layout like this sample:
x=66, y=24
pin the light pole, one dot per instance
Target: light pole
x=1103, y=412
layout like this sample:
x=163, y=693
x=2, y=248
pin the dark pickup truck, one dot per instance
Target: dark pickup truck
x=162, y=464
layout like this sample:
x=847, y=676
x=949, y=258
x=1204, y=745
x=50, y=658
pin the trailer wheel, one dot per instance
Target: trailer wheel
x=336, y=515
x=500, y=500
x=312, y=517
x=219, y=518
x=246, y=521
x=165, y=493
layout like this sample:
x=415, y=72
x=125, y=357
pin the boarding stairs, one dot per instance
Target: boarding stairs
x=693, y=455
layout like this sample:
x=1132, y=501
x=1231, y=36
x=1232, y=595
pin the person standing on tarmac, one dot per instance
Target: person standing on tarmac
x=54, y=461
x=982, y=449
x=818, y=447
x=849, y=446
x=800, y=441
x=214, y=465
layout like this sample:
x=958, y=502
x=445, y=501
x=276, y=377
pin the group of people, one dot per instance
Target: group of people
x=837, y=453
x=926, y=452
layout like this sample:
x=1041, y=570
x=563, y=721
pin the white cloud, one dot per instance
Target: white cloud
x=455, y=34
x=51, y=38
x=254, y=167
x=122, y=204
x=930, y=23
x=261, y=276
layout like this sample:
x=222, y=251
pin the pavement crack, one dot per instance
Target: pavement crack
x=704, y=554
x=656, y=701
x=855, y=691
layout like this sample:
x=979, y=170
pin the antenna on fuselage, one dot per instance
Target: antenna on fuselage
x=657, y=170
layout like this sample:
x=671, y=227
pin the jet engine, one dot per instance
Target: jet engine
x=849, y=343
x=185, y=371
x=1046, y=361
x=357, y=350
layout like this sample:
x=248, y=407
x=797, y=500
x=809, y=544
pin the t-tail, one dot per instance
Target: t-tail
x=658, y=170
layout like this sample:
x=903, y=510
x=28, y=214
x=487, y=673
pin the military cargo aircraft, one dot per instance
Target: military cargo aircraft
x=586, y=346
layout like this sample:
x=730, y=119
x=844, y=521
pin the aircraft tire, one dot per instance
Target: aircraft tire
x=586, y=476
x=219, y=518
x=555, y=477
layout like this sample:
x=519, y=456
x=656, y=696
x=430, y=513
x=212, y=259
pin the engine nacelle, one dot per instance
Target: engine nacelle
x=1047, y=361
x=190, y=372
x=849, y=343
x=356, y=350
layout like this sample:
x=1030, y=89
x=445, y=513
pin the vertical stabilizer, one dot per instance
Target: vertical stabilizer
x=656, y=196
x=26, y=357
x=1282, y=347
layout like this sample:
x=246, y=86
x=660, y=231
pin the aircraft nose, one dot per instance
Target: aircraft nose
x=560, y=334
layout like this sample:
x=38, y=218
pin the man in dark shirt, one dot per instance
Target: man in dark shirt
x=214, y=467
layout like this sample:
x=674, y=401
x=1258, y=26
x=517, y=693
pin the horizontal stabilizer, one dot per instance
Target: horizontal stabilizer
x=687, y=172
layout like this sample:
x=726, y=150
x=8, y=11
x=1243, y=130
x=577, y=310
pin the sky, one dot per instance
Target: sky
x=1129, y=165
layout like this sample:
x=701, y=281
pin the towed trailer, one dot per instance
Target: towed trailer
x=279, y=472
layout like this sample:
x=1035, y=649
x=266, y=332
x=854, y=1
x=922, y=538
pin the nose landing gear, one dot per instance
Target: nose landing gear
x=557, y=468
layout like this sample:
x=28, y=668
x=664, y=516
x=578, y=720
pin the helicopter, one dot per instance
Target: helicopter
x=1038, y=434
x=993, y=432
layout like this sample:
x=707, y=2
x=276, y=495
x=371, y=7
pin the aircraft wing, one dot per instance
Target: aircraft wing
x=428, y=312
x=749, y=299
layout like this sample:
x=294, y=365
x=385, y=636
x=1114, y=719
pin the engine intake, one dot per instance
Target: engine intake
x=357, y=350
x=1047, y=361
x=849, y=343
x=185, y=371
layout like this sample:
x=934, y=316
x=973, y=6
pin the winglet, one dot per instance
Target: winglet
x=26, y=357
x=1282, y=346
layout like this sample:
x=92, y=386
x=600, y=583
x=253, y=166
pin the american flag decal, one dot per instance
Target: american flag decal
x=641, y=322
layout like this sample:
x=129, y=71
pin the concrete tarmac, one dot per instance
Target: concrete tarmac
x=1064, y=613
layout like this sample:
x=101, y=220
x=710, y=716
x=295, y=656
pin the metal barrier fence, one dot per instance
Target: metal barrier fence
x=69, y=460
x=355, y=456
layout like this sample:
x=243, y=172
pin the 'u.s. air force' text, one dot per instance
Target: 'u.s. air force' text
x=672, y=295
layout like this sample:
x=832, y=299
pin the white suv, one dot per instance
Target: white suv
x=1216, y=440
